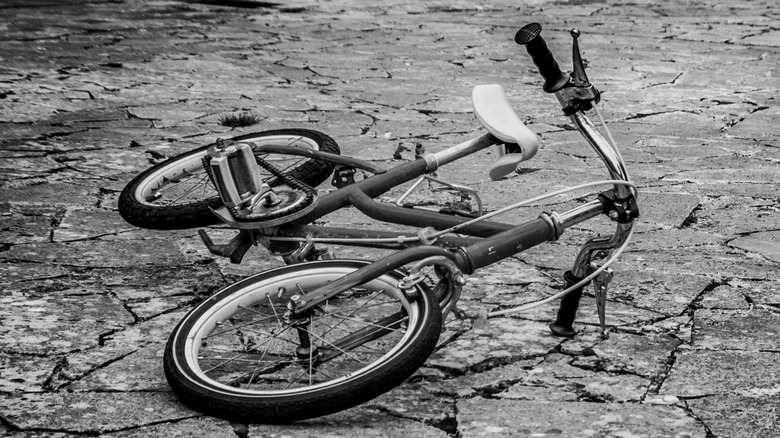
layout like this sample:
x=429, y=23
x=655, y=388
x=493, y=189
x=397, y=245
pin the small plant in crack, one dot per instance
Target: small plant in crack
x=691, y=219
x=246, y=118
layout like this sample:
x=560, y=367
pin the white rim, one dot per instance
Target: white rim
x=246, y=296
x=194, y=164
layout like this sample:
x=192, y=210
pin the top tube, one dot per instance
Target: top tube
x=381, y=183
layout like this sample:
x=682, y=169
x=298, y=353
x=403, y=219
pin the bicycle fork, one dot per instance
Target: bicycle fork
x=620, y=205
x=595, y=249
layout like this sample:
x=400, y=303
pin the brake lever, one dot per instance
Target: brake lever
x=578, y=75
x=579, y=94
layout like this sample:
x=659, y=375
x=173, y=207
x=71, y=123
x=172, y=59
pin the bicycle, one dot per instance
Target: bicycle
x=318, y=336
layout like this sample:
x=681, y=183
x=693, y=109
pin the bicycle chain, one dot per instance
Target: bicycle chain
x=288, y=180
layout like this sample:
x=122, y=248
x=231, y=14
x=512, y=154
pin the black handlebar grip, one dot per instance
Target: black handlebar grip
x=529, y=36
x=564, y=319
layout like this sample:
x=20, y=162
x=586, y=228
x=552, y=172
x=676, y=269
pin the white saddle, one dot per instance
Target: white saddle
x=497, y=116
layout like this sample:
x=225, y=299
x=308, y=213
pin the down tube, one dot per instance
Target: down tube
x=505, y=244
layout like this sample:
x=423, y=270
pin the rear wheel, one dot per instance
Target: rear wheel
x=237, y=356
x=178, y=194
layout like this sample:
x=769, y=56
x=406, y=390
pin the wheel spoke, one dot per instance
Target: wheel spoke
x=192, y=189
x=236, y=359
x=257, y=367
x=311, y=349
x=267, y=341
x=276, y=314
x=336, y=347
x=368, y=323
x=250, y=323
x=185, y=176
x=271, y=336
x=295, y=162
x=184, y=179
x=363, y=306
x=272, y=366
x=295, y=379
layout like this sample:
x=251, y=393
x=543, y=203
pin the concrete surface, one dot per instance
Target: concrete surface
x=93, y=92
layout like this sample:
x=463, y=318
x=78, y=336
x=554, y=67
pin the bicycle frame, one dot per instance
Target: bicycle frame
x=489, y=241
x=494, y=240
x=275, y=324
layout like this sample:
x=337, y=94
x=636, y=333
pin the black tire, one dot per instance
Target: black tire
x=183, y=177
x=242, y=326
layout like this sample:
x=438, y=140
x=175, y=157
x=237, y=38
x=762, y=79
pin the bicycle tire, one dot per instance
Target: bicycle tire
x=138, y=203
x=204, y=374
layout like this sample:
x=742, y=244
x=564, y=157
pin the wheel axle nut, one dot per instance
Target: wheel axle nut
x=295, y=302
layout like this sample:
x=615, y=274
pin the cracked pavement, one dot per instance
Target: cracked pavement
x=91, y=93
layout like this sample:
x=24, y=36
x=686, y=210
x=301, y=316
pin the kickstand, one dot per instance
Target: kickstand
x=601, y=284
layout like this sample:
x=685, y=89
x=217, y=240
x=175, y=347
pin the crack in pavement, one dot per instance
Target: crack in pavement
x=298, y=57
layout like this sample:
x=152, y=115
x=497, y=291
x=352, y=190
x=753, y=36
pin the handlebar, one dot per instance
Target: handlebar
x=575, y=94
x=529, y=36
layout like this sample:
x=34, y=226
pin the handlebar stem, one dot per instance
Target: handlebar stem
x=617, y=170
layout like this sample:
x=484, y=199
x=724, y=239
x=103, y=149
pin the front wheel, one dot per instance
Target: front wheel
x=237, y=356
x=178, y=194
